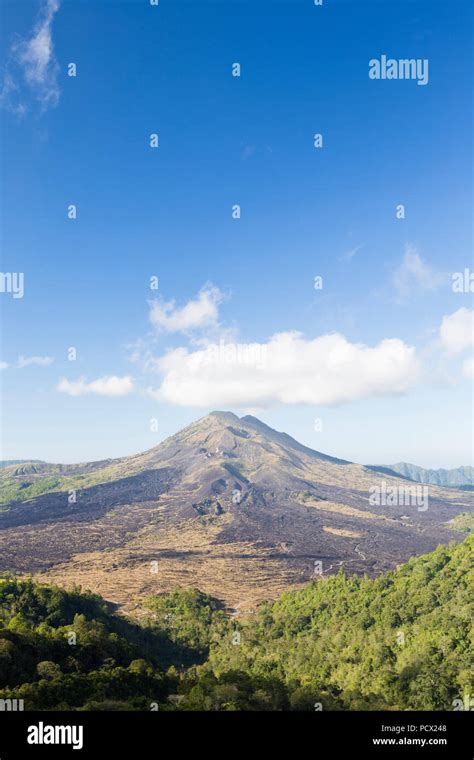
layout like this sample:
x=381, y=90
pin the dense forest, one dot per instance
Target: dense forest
x=401, y=641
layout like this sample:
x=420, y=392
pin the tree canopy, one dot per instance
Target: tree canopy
x=401, y=641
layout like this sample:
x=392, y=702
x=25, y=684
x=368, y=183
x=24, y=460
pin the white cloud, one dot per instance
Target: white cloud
x=32, y=63
x=202, y=311
x=41, y=361
x=288, y=369
x=457, y=331
x=468, y=368
x=414, y=274
x=4, y=365
x=104, y=386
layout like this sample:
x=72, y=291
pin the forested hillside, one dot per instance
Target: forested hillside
x=402, y=641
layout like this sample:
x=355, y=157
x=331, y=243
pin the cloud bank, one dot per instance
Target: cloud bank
x=288, y=369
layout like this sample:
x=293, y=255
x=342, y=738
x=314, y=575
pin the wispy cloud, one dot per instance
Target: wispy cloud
x=32, y=69
x=200, y=312
x=40, y=361
x=110, y=385
x=248, y=152
x=28, y=361
x=349, y=255
x=414, y=274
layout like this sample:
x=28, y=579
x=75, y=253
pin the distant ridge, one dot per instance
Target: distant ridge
x=458, y=477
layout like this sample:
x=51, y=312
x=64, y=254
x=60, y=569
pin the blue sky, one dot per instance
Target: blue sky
x=226, y=140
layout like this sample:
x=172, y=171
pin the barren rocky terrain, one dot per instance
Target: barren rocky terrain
x=227, y=504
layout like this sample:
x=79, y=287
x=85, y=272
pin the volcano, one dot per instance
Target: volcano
x=227, y=504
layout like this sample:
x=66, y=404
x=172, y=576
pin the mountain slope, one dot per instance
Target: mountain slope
x=227, y=503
